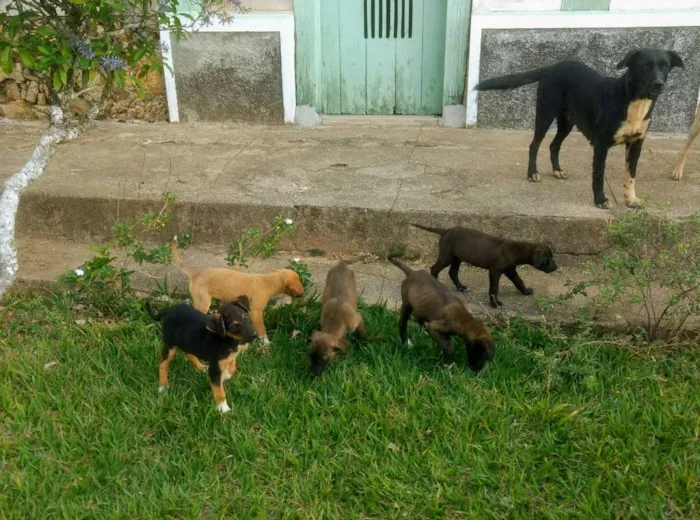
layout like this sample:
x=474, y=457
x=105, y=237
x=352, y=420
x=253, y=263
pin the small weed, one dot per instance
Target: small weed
x=256, y=243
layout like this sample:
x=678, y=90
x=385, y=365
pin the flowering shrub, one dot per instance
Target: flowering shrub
x=68, y=43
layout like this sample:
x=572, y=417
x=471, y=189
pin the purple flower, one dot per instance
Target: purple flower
x=81, y=46
x=112, y=63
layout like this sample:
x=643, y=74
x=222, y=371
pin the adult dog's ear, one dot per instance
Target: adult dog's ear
x=676, y=60
x=244, y=302
x=628, y=59
x=216, y=324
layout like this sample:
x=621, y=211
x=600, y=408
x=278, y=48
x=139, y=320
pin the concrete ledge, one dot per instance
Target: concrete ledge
x=349, y=189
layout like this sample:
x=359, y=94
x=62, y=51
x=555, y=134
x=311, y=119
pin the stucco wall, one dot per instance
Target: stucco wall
x=229, y=76
x=518, y=50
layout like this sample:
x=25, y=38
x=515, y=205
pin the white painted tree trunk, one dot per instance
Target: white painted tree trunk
x=60, y=130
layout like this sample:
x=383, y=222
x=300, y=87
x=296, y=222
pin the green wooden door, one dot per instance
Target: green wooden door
x=382, y=56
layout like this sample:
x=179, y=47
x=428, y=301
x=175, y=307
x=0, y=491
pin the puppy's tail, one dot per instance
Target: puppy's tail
x=439, y=231
x=512, y=80
x=176, y=257
x=152, y=312
x=398, y=263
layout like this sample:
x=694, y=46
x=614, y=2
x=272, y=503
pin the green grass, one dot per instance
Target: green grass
x=557, y=427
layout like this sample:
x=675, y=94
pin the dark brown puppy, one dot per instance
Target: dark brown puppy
x=443, y=315
x=499, y=255
x=338, y=317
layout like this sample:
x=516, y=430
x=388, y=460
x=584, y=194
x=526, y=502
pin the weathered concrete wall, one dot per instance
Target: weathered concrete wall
x=229, y=76
x=519, y=50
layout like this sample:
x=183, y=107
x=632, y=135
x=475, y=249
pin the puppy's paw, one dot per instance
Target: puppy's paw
x=603, y=205
x=677, y=174
x=633, y=202
x=528, y=291
x=535, y=177
x=463, y=289
x=266, y=341
x=223, y=407
x=495, y=302
x=560, y=175
x=162, y=389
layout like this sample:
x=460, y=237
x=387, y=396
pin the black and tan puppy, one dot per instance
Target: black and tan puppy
x=499, y=255
x=338, y=317
x=214, y=339
x=607, y=111
x=443, y=315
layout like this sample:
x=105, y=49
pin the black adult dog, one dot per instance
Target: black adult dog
x=607, y=111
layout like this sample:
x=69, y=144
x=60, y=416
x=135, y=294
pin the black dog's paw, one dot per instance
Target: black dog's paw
x=535, y=177
x=528, y=291
x=463, y=289
x=495, y=302
x=603, y=205
x=560, y=175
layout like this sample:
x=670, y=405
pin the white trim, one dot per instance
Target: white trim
x=170, y=90
x=258, y=22
x=665, y=5
x=560, y=20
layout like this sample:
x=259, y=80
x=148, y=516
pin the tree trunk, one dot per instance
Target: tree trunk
x=63, y=127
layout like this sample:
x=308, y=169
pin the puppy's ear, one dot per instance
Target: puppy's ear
x=676, y=60
x=538, y=258
x=216, y=324
x=628, y=59
x=342, y=346
x=244, y=302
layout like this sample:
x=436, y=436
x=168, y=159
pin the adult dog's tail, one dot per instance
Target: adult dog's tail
x=512, y=80
x=439, y=231
x=152, y=312
x=398, y=263
x=176, y=257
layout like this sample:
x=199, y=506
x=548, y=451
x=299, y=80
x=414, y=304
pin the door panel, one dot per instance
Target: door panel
x=383, y=56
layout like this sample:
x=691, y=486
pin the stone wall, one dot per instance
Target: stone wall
x=22, y=96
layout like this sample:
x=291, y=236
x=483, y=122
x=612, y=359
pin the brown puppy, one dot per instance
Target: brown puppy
x=694, y=132
x=444, y=315
x=338, y=317
x=499, y=255
x=227, y=285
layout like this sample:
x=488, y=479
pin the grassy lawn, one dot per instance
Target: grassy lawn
x=557, y=427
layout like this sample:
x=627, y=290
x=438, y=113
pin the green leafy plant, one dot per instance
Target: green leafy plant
x=654, y=264
x=108, y=272
x=302, y=269
x=69, y=43
x=256, y=243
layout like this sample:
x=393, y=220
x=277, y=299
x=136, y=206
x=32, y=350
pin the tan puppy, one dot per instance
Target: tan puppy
x=227, y=285
x=338, y=317
x=694, y=132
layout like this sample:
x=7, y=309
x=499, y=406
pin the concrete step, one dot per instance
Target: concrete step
x=348, y=189
x=43, y=261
